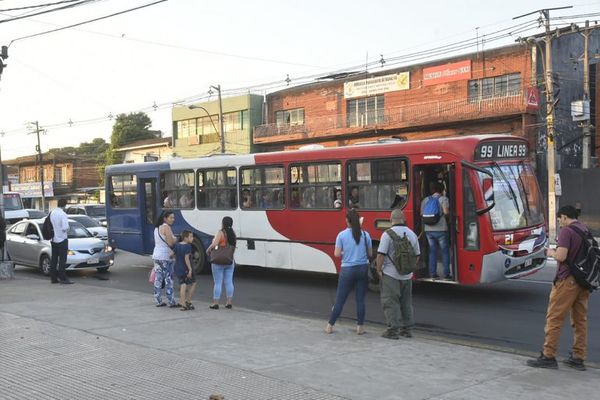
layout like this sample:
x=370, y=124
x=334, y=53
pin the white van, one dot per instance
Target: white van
x=13, y=208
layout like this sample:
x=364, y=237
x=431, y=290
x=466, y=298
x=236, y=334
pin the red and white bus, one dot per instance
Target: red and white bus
x=286, y=215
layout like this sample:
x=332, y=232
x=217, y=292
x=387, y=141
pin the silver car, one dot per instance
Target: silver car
x=25, y=246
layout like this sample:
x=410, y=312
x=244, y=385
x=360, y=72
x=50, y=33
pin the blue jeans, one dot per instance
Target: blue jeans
x=164, y=271
x=222, y=273
x=440, y=239
x=351, y=278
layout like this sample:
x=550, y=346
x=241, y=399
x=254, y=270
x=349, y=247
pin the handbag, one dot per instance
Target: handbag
x=222, y=255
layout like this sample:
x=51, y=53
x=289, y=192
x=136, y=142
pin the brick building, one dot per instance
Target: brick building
x=63, y=176
x=484, y=92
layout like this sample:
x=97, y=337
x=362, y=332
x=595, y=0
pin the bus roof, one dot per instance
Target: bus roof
x=463, y=147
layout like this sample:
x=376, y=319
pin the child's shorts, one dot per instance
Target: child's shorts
x=184, y=280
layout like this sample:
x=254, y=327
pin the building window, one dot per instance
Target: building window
x=290, y=117
x=60, y=174
x=123, y=191
x=177, y=189
x=377, y=184
x=495, y=86
x=316, y=185
x=366, y=111
x=263, y=188
x=217, y=189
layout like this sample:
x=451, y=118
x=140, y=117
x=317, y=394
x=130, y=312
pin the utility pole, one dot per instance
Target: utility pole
x=221, y=131
x=587, y=135
x=38, y=148
x=550, y=145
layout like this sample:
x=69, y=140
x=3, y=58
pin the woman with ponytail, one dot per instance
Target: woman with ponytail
x=355, y=247
x=223, y=273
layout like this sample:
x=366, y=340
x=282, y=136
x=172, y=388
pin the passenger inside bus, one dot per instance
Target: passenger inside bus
x=353, y=198
x=170, y=201
x=295, y=198
x=187, y=198
x=246, y=199
x=337, y=202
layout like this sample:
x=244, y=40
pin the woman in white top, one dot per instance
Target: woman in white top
x=164, y=240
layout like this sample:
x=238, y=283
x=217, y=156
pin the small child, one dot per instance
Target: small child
x=184, y=270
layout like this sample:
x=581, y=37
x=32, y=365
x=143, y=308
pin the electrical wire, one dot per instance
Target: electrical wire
x=38, y=5
x=80, y=3
x=87, y=21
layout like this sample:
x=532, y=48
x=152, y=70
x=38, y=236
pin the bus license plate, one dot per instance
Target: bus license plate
x=93, y=261
x=528, y=262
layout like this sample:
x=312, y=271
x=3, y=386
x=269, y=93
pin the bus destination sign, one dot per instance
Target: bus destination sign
x=500, y=150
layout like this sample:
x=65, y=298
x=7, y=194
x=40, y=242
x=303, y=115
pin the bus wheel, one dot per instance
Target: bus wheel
x=374, y=285
x=198, y=257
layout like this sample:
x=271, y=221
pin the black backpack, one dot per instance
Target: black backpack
x=586, y=268
x=47, y=228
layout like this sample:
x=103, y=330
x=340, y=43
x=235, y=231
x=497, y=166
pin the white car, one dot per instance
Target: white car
x=91, y=225
x=96, y=211
x=25, y=246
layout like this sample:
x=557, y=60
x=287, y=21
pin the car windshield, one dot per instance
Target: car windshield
x=95, y=211
x=517, y=197
x=86, y=221
x=77, y=231
x=35, y=214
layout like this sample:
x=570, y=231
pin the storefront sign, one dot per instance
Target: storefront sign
x=447, y=73
x=377, y=85
x=33, y=189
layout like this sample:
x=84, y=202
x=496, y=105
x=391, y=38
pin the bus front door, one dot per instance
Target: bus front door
x=149, y=212
x=424, y=175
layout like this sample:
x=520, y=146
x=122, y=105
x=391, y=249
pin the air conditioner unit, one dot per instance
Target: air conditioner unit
x=193, y=140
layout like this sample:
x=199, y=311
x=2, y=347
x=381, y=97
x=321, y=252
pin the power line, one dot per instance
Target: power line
x=38, y=5
x=82, y=2
x=87, y=21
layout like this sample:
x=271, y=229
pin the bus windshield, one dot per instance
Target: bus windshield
x=517, y=197
x=12, y=201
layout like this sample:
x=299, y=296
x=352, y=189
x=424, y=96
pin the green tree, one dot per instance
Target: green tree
x=127, y=128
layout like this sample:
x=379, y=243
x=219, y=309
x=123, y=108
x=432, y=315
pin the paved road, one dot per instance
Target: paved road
x=509, y=315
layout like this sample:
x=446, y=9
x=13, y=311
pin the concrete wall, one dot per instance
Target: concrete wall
x=239, y=141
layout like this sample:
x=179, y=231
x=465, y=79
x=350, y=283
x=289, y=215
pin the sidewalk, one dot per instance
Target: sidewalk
x=84, y=342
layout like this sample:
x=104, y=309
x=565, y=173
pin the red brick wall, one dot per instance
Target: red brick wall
x=327, y=100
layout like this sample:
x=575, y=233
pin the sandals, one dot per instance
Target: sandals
x=190, y=306
x=177, y=305
x=161, y=305
x=229, y=306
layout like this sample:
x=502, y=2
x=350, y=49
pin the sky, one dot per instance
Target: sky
x=172, y=52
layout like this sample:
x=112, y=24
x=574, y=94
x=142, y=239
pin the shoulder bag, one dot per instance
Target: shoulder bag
x=222, y=255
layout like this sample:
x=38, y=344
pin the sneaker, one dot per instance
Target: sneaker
x=575, y=363
x=406, y=333
x=435, y=276
x=214, y=307
x=390, y=334
x=543, y=362
x=448, y=278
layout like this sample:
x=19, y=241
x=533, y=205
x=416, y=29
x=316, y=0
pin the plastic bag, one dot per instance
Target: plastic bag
x=152, y=276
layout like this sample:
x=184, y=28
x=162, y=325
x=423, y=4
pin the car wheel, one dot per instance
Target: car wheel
x=45, y=265
x=102, y=269
x=198, y=257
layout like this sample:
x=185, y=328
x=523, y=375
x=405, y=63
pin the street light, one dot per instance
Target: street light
x=221, y=130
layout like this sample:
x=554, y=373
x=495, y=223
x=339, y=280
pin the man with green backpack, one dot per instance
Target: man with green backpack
x=397, y=257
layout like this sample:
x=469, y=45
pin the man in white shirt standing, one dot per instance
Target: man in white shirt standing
x=396, y=288
x=60, y=243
